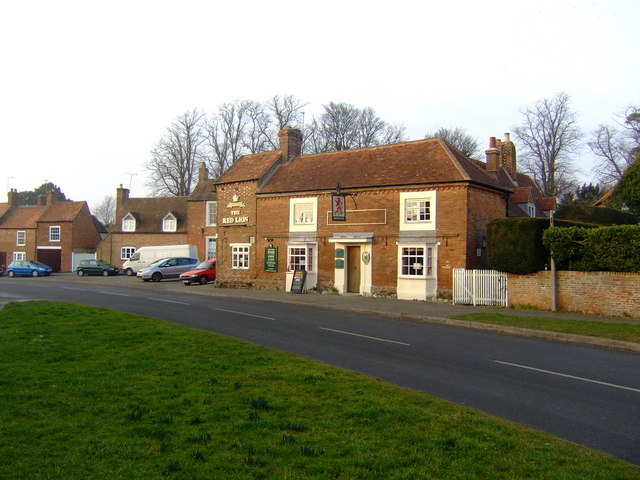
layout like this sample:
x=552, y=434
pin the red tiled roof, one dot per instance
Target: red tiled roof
x=546, y=203
x=22, y=216
x=412, y=163
x=249, y=167
x=62, y=212
x=149, y=213
x=522, y=195
x=204, y=191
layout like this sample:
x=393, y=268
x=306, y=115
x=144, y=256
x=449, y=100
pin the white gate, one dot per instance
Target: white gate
x=479, y=287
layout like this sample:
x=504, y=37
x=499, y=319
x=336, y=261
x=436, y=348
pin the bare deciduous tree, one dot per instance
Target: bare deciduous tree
x=286, y=110
x=105, y=211
x=460, y=139
x=549, y=136
x=342, y=126
x=225, y=134
x=612, y=151
x=177, y=155
x=616, y=148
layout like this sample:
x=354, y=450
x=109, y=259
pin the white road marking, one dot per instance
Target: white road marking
x=72, y=288
x=116, y=294
x=569, y=376
x=167, y=301
x=242, y=313
x=364, y=336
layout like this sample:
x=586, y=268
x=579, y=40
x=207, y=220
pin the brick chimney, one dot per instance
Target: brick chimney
x=290, y=143
x=13, y=199
x=52, y=197
x=202, y=173
x=42, y=200
x=508, y=155
x=493, y=156
x=122, y=197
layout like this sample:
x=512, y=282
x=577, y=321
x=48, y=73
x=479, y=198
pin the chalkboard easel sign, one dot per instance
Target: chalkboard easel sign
x=298, y=281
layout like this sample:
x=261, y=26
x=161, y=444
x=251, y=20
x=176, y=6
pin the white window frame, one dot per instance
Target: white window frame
x=21, y=238
x=531, y=209
x=417, y=210
x=211, y=214
x=19, y=256
x=411, y=252
x=169, y=223
x=54, y=233
x=129, y=223
x=127, y=252
x=300, y=256
x=208, y=242
x=306, y=223
x=425, y=199
x=240, y=256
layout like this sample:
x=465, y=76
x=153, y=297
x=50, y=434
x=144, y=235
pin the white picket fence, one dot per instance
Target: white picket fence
x=479, y=287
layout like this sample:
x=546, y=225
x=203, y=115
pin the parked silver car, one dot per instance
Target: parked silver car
x=170, y=267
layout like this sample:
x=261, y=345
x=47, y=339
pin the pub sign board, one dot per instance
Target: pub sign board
x=297, y=283
x=338, y=208
x=271, y=259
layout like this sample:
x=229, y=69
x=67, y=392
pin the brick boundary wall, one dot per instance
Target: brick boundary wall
x=594, y=293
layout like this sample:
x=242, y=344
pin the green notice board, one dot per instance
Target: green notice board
x=271, y=259
x=297, y=283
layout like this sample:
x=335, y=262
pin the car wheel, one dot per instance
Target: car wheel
x=156, y=277
x=129, y=272
x=105, y=273
x=203, y=279
x=11, y=274
x=34, y=273
x=80, y=273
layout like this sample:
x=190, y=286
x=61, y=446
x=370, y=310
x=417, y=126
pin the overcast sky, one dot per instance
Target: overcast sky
x=87, y=88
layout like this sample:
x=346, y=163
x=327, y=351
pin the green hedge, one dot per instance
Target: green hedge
x=608, y=249
x=595, y=215
x=514, y=245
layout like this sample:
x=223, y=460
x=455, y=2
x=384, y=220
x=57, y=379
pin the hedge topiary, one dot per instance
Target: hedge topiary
x=514, y=245
x=613, y=249
x=595, y=215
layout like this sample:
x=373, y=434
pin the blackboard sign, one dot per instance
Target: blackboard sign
x=271, y=259
x=298, y=281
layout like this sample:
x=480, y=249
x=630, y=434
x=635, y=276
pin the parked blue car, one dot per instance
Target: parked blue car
x=30, y=268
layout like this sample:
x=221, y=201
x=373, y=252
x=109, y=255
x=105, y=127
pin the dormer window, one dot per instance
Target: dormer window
x=169, y=223
x=129, y=223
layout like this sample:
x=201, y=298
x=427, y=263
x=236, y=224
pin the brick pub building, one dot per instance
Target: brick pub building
x=414, y=212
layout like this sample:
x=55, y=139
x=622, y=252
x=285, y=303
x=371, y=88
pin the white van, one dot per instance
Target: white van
x=146, y=255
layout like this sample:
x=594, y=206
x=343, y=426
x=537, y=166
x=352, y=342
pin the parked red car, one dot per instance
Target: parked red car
x=203, y=273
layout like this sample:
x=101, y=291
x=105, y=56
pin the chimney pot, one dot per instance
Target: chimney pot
x=492, y=142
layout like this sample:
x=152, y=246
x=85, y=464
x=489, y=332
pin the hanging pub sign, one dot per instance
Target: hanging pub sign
x=271, y=259
x=338, y=208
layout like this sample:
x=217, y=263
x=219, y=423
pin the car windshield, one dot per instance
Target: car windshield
x=204, y=265
x=158, y=261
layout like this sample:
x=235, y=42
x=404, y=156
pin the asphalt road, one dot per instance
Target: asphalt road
x=590, y=396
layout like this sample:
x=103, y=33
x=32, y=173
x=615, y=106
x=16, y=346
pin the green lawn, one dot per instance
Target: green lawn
x=88, y=393
x=629, y=332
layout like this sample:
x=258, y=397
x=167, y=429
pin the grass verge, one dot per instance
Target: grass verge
x=628, y=332
x=89, y=393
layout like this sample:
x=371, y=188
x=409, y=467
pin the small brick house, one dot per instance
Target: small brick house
x=52, y=232
x=143, y=222
x=414, y=211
